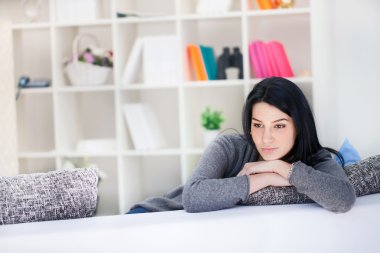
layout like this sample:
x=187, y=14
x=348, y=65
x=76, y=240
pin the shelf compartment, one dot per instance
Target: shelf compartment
x=35, y=127
x=190, y=7
x=36, y=165
x=145, y=177
x=284, y=30
x=88, y=115
x=65, y=10
x=15, y=11
x=127, y=34
x=167, y=114
x=64, y=37
x=210, y=32
x=146, y=8
x=196, y=102
x=31, y=47
x=107, y=186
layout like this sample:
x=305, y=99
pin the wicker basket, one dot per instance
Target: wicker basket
x=82, y=73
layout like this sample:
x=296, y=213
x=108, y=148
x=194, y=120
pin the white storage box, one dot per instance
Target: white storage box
x=76, y=10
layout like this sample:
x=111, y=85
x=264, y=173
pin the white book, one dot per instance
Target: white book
x=161, y=59
x=134, y=120
x=152, y=128
x=133, y=63
x=143, y=126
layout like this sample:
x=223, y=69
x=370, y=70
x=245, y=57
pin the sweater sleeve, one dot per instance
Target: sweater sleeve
x=207, y=190
x=325, y=183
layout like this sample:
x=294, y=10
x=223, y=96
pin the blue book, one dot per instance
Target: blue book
x=209, y=61
x=212, y=62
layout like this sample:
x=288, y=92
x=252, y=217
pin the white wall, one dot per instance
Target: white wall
x=356, y=57
x=349, y=61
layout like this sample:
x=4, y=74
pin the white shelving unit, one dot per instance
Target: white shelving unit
x=52, y=120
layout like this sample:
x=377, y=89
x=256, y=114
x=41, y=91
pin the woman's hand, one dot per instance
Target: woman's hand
x=275, y=166
x=262, y=180
x=266, y=173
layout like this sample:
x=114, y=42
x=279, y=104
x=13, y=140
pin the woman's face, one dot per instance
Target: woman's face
x=272, y=131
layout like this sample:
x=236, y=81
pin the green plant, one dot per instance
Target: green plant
x=211, y=120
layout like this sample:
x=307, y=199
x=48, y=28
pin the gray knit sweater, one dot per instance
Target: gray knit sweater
x=214, y=184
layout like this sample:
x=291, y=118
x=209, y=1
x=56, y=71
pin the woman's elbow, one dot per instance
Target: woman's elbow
x=346, y=201
x=188, y=202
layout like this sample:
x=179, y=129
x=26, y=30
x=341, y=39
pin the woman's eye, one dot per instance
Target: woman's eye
x=280, y=126
x=257, y=125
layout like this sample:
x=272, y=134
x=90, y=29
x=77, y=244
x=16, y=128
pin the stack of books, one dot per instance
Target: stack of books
x=269, y=59
x=202, y=62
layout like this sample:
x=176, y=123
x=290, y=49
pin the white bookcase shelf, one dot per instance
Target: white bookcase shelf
x=52, y=120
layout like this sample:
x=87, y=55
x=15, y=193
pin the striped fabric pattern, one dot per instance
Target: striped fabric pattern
x=55, y=195
x=364, y=177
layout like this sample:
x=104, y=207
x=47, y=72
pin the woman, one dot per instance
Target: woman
x=279, y=147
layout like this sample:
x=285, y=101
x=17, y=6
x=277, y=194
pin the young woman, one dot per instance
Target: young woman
x=280, y=147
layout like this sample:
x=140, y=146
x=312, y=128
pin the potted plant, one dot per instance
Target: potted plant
x=211, y=121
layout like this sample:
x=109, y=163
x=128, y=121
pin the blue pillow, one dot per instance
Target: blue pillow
x=349, y=153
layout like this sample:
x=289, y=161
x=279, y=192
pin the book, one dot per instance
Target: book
x=255, y=63
x=258, y=60
x=281, y=57
x=266, y=71
x=272, y=61
x=209, y=61
x=160, y=59
x=157, y=57
x=197, y=62
x=133, y=63
x=143, y=126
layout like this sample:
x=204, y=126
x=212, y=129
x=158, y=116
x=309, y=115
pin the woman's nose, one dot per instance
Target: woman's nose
x=267, y=135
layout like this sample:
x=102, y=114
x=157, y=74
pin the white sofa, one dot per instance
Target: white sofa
x=284, y=228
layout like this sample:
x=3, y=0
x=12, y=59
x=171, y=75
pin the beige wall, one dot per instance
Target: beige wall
x=8, y=131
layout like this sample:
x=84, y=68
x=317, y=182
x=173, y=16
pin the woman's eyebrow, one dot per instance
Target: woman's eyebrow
x=280, y=120
x=253, y=118
x=275, y=121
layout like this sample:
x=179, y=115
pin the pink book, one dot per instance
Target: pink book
x=272, y=61
x=263, y=60
x=281, y=59
x=255, y=62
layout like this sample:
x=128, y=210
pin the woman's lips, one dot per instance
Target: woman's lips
x=268, y=150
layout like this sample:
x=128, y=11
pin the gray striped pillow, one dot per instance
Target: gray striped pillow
x=55, y=195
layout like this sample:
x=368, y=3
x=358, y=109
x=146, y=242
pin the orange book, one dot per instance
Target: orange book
x=196, y=60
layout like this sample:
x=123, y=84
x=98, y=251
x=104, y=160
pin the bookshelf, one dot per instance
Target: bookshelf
x=52, y=120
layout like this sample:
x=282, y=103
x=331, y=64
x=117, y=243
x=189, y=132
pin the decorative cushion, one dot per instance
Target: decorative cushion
x=55, y=195
x=349, y=153
x=363, y=175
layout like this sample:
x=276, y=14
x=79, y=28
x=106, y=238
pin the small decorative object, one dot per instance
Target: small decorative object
x=286, y=4
x=227, y=60
x=32, y=9
x=90, y=67
x=211, y=121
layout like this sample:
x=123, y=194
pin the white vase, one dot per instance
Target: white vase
x=209, y=136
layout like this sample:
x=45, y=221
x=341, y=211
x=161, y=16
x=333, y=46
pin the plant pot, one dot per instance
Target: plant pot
x=209, y=136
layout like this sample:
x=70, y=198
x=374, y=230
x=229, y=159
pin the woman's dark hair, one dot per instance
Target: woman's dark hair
x=287, y=97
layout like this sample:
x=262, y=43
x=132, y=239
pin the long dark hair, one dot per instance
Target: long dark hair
x=287, y=97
